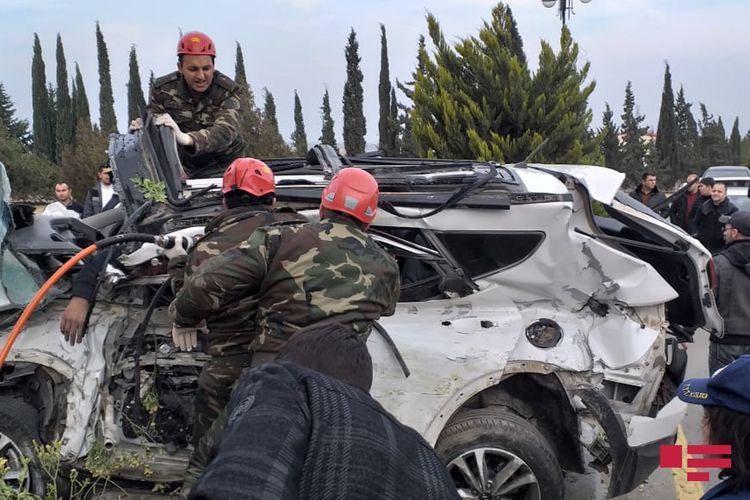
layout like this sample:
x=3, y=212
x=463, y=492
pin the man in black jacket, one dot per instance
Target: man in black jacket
x=708, y=229
x=683, y=203
x=648, y=193
x=732, y=292
x=306, y=427
x=102, y=196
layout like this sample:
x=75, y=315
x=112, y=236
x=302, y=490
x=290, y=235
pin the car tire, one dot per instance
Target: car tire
x=19, y=428
x=505, y=443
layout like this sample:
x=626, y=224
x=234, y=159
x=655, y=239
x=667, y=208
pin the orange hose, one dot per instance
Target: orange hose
x=31, y=306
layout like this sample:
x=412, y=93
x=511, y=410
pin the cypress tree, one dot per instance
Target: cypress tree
x=327, y=136
x=107, y=119
x=609, y=142
x=136, y=101
x=666, y=133
x=16, y=129
x=251, y=118
x=43, y=124
x=299, y=137
x=151, y=79
x=64, y=109
x=713, y=142
x=52, y=112
x=687, y=137
x=271, y=144
x=734, y=143
x=354, y=118
x=82, y=101
x=633, y=148
x=385, y=124
x=394, y=143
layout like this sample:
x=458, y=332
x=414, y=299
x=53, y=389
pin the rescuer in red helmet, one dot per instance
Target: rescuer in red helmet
x=201, y=105
x=302, y=274
x=249, y=195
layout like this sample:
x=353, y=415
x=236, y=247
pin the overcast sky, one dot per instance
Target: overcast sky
x=299, y=44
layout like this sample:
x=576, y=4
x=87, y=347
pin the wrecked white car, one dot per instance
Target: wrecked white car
x=533, y=336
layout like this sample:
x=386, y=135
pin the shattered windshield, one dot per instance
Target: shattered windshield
x=18, y=285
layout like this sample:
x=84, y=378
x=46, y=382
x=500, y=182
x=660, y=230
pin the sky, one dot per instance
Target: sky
x=299, y=45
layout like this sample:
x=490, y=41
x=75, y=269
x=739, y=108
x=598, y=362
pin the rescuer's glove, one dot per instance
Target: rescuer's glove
x=181, y=137
x=185, y=338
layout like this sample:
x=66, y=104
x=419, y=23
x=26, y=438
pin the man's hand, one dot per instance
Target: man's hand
x=71, y=323
x=136, y=124
x=185, y=338
x=181, y=137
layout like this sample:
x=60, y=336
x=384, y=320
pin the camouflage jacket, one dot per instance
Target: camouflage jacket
x=212, y=119
x=301, y=274
x=232, y=328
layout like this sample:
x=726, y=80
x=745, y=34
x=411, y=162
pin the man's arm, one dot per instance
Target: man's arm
x=226, y=278
x=223, y=132
x=88, y=205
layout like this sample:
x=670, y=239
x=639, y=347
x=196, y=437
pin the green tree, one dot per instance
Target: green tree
x=271, y=144
x=713, y=141
x=745, y=149
x=734, y=143
x=151, y=79
x=65, y=125
x=355, y=126
x=666, y=134
x=632, y=130
x=407, y=143
x=82, y=101
x=107, y=119
x=80, y=161
x=299, y=137
x=386, y=124
x=609, y=142
x=327, y=135
x=251, y=117
x=43, y=125
x=136, y=101
x=394, y=146
x=16, y=128
x=29, y=174
x=687, y=137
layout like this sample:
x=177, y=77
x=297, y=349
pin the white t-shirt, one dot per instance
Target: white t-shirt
x=106, y=192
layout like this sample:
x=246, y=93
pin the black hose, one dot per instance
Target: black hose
x=394, y=348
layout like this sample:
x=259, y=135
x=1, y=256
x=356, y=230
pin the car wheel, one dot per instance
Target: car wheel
x=493, y=454
x=18, y=430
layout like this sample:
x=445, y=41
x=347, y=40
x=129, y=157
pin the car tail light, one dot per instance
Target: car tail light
x=711, y=270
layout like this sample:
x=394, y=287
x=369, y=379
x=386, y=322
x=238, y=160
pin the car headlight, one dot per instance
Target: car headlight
x=544, y=333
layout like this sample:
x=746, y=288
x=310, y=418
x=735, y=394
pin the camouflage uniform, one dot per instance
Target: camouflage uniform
x=231, y=329
x=301, y=274
x=212, y=119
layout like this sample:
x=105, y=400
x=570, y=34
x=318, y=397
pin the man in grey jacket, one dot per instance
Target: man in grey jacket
x=732, y=292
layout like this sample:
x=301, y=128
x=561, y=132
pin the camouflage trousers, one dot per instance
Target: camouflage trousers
x=210, y=420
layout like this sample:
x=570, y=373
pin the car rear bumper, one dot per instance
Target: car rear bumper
x=633, y=448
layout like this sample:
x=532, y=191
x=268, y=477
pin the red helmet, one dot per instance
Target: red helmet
x=249, y=175
x=197, y=44
x=352, y=191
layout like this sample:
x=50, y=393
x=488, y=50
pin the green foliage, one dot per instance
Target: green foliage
x=80, y=161
x=29, y=174
x=387, y=125
x=479, y=100
x=16, y=128
x=327, y=136
x=107, y=119
x=82, y=113
x=299, y=137
x=633, y=148
x=714, y=149
x=251, y=116
x=609, y=144
x=688, y=154
x=734, y=143
x=666, y=135
x=63, y=105
x=136, y=100
x=152, y=190
x=355, y=126
x=271, y=144
x=43, y=124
